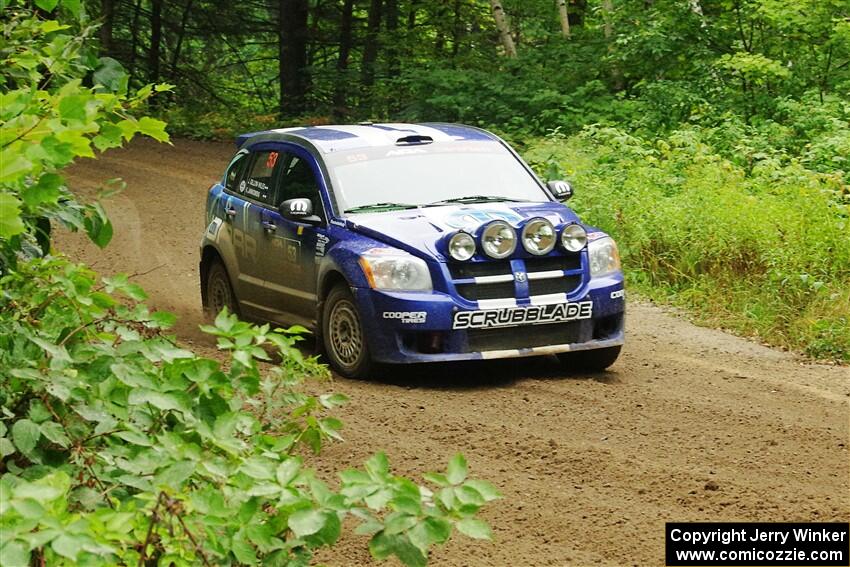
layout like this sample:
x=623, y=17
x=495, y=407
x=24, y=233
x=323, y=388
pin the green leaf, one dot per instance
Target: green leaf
x=135, y=438
x=487, y=490
x=10, y=216
x=56, y=433
x=457, y=469
x=15, y=554
x=306, y=522
x=46, y=5
x=28, y=508
x=67, y=546
x=244, y=551
x=288, y=470
x=73, y=107
x=99, y=230
x=161, y=400
x=6, y=447
x=25, y=434
x=153, y=128
x=173, y=475
x=378, y=466
x=111, y=74
x=474, y=528
x=45, y=191
x=163, y=319
x=382, y=546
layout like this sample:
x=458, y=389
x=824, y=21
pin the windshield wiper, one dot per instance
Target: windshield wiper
x=380, y=206
x=474, y=199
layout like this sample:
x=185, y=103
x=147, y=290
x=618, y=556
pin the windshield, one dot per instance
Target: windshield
x=402, y=177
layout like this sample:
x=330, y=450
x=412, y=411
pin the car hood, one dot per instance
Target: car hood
x=421, y=230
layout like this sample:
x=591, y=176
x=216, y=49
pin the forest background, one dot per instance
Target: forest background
x=710, y=137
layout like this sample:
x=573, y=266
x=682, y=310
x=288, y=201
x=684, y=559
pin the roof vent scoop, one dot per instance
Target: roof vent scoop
x=413, y=140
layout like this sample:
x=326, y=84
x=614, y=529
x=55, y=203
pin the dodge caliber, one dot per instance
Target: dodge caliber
x=409, y=243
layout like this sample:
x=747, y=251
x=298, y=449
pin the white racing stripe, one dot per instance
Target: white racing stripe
x=548, y=299
x=496, y=303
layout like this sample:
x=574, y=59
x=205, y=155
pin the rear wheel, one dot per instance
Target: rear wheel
x=219, y=291
x=342, y=335
x=594, y=360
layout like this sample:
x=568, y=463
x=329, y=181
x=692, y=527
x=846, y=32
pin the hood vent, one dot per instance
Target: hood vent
x=414, y=140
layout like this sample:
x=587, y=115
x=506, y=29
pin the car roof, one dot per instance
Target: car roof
x=328, y=139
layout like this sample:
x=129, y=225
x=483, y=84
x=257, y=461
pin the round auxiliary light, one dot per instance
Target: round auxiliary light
x=573, y=237
x=538, y=236
x=461, y=246
x=498, y=239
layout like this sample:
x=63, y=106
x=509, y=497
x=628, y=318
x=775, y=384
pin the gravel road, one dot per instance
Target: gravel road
x=691, y=424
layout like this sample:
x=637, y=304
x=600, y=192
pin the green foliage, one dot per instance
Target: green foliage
x=49, y=119
x=761, y=247
x=117, y=445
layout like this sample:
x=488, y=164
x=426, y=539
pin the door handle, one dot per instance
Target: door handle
x=230, y=212
x=269, y=226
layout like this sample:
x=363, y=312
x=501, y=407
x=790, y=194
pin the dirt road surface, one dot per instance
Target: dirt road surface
x=690, y=424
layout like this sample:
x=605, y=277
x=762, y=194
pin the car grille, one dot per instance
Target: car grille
x=467, y=277
x=481, y=340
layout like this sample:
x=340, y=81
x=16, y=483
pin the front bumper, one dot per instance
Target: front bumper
x=417, y=327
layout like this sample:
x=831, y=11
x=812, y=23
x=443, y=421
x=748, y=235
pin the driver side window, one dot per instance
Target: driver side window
x=296, y=181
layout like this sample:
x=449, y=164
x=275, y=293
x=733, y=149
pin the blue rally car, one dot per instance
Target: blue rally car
x=402, y=243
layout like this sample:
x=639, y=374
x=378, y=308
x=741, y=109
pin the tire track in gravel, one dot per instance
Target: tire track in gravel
x=690, y=423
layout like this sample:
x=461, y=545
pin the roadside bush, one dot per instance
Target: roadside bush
x=762, y=249
x=117, y=445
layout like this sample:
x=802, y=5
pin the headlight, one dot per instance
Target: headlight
x=461, y=246
x=538, y=236
x=604, y=257
x=394, y=270
x=498, y=239
x=573, y=237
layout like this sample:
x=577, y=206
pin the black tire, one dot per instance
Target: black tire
x=219, y=292
x=595, y=360
x=342, y=335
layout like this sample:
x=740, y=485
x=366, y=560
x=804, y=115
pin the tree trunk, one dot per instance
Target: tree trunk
x=180, y=34
x=345, y=41
x=292, y=27
x=564, y=17
x=608, y=30
x=134, y=41
x=457, y=30
x=370, y=51
x=156, y=41
x=107, y=13
x=504, y=29
x=393, y=55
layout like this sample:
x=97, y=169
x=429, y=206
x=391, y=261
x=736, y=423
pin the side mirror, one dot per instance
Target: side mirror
x=299, y=210
x=562, y=190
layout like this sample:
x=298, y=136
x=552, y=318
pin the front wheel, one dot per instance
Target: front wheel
x=342, y=334
x=594, y=360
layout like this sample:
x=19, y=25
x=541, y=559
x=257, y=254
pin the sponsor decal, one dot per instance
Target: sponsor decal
x=475, y=217
x=321, y=244
x=212, y=229
x=413, y=317
x=298, y=207
x=531, y=315
x=618, y=294
x=242, y=186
